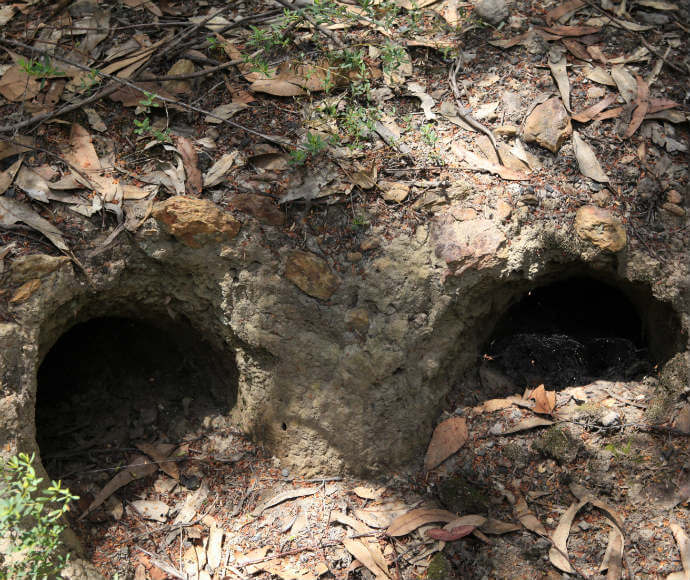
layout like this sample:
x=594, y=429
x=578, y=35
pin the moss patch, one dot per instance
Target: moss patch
x=439, y=568
x=559, y=444
x=460, y=495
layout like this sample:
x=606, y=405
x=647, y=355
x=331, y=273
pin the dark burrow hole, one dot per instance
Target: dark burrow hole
x=110, y=382
x=578, y=330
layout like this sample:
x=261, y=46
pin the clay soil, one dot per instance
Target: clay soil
x=616, y=438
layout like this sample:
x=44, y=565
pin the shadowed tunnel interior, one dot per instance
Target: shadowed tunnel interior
x=577, y=330
x=110, y=381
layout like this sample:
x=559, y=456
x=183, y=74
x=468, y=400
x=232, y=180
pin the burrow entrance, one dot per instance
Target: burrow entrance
x=578, y=330
x=110, y=383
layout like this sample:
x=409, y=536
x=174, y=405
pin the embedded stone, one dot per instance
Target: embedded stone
x=35, y=266
x=259, y=206
x=467, y=244
x=601, y=228
x=311, y=274
x=195, y=222
x=548, y=125
x=357, y=319
x=673, y=208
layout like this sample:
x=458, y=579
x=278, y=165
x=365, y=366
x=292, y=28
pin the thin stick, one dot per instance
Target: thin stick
x=452, y=78
x=272, y=138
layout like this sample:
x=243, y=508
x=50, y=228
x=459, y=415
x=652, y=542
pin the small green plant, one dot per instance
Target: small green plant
x=359, y=221
x=212, y=43
x=359, y=122
x=39, y=68
x=619, y=450
x=393, y=56
x=428, y=134
x=142, y=127
x=314, y=146
x=31, y=521
x=149, y=101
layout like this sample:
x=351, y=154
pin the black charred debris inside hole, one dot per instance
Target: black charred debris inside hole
x=110, y=382
x=567, y=333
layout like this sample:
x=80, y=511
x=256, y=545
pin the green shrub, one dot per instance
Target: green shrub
x=30, y=521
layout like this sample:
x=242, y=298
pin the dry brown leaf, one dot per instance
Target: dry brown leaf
x=557, y=65
x=224, y=112
x=497, y=404
x=355, y=524
x=682, y=420
x=545, y=401
x=13, y=212
x=25, y=291
x=213, y=548
x=155, y=510
x=190, y=563
x=558, y=554
x=590, y=112
x=283, y=496
x=613, y=557
x=641, y=109
x=526, y=424
x=381, y=515
x=7, y=176
x=684, y=548
x=596, y=53
x=527, y=518
x=587, y=160
x=412, y=520
x=570, y=30
x=190, y=160
x=141, y=466
x=448, y=437
x=451, y=534
x=161, y=453
x=367, y=492
x=627, y=86
x=656, y=105
x=566, y=8
x=497, y=527
x=219, y=169
x=365, y=178
x=480, y=164
x=577, y=49
x=9, y=149
x=17, y=85
x=277, y=87
x=599, y=75
x=359, y=550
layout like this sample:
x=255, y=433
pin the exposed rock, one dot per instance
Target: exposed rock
x=393, y=191
x=357, y=319
x=558, y=443
x=601, y=228
x=354, y=256
x=311, y=274
x=370, y=244
x=33, y=266
x=548, y=125
x=503, y=210
x=673, y=209
x=674, y=197
x=493, y=11
x=181, y=67
x=195, y=222
x=259, y=206
x=609, y=419
x=25, y=291
x=467, y=244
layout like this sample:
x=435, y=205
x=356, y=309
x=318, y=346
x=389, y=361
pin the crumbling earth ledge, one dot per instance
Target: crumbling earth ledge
x=336, y=371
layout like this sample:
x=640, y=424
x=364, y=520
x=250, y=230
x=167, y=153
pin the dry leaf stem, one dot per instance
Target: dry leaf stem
x=452, y=78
